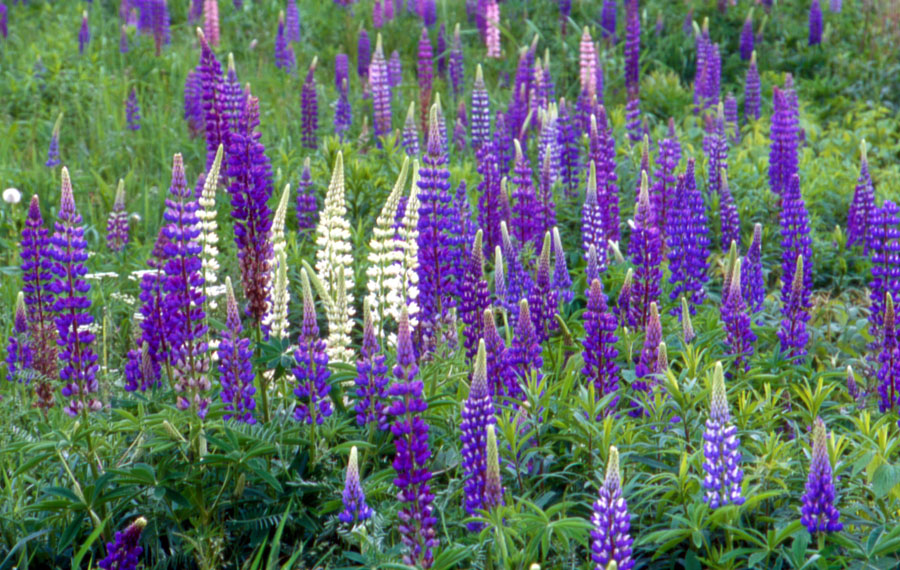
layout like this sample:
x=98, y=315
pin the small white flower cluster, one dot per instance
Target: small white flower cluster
x=209, y=237
x=139, y=274
x=101, y=275
x=123, y=298
x=403, y=277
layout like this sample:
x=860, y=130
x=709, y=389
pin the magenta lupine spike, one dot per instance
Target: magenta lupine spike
x=739, y=336
x=363, y=53
x=543, y=298
x=355, y=507
x=68, y=249
x=495, y=348
x=721, y=450
x=124, y=552
x=623, y=301
x=592, y=231
x=132, y=112
x=815, y=23
x=662, y=193
x=587, y=64
x=687, y=240
x=525, y=205
x=728, y=214
x=783, y=153
x=795, y=242
x=715, y=144
x=292, y=21
x=746, y=42
x=213, y=101
x=477, y=414
x=307, y=209
x=184, y=295
x=862, y=208
x=395, y=69
x=381, y=92
x=489, y=202
x=371, y=378
x=607, y=189
x=562, y=282
x=37, y=276
x=884, y=248
x=428, y=12
x=441, y=51
x=410, y=136
x=731, y=119
x=474, y=296
x=599, y=344
x=610, y=539
x=632, y=68
x=889, y=360
x=284, y=53
x=456, y=66
x=425, y=75
x=117, y=223
x=751, y=91
x=752, y=281
x=795, y=310
x=378, y=14
x=20, y=346
x=645, y=249
x=389, y=10
x=523, y=358
x=236, y=364
x=819, y=514
x=309, y=108
x=410, y=431
x=211, y=21
x=84, y=33
x=492, y=28
x=311, y=370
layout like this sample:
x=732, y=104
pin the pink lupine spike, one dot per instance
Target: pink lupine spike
x=492, y=37
x=211, y=21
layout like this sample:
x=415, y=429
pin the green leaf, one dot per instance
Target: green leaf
x=86, y=546
x=886, y=477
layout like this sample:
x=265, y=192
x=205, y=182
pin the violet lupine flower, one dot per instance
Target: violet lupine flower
x=715, y=144
x=751, y=91
x=117, y=223
x=835, y=6
x=462, y=230
x=417, y=522
x=525, y=205
x=132, y=112
x=819, y=514
x=20, y=347
x=4, y=21
x=292, y=21
x=728, y=213
x=477, y=414
x=250, y=190
x=739, y=336
x=309, y=105
x=213, y=101
x=355, y=507
x=592, y=231
x=474, y=297
x=381, y=92
x=687, y=240
x=311, y=371
x=493, y=486
x=395, y=70
x=795, y=242
x=731, y=119
x=184, y=295
x=371, y=377
x=456, y=67
x=862, y=208
x=645, y=249
x=599, y=344
x=68, y=249
x=154, y=338
x=663, y=190
x=815, y=23
x=519, y=281
x=378, y=14
x=236, y=365
x=884, y=249
x=795, y=310
x=307, y=209
x=459, y=135
x=623, y=301
x=495, y=355
x=425, y=74
x=522, y=359
x=363, y=53
x=562, y=282
x=565, y=10
x=342, y=112
x=648, y=361
x=211, y=21
x=160, y=23
x=53, y=148
x=490, y=212
x=84, y=33
x=889, y=360
x=721, y=450
x=610, y=541
x=441, y=51
x=123, y=39
x=608, y=20
x=607, y=189
x=569, y=151
x=543, y=297
x=853, y=388
x=428, y=12
x=752, y=281
x=503, y=145
x=410, y=135
x=195, y=12
x=284, y=53
x=783, y=153
x=632, y=68
x=37, y=276
x=124, y=552
x=746, y=43
x=193, y=102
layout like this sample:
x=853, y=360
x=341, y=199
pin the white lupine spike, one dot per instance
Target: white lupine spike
x=338, y=341
x=281, y=298
x=209, y=236
x=279, y=246
x=383, y=252
x=403, y=278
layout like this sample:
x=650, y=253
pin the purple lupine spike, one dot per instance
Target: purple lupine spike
x=456, y=67
x=159, y=20
x=751, y=91
x=819, y=514
x=234, y=96
x=728, y=213
x=721, y=450
x=311, y=370
x=477, y=414
x=489, y=201
x=363, y=53
x=425, y=74
x=716, y=146
x=124, y=552
x=739, y=336
x=381, y=92
x=341, y=71
x=543, y=298
x=592, y=268
x=154, y=339
x=53, y=147
x=250, y=189
x=37, y=275
x=648, y=361
x=783, y=153
x=548, y=160
x=562, y=282
x=4, y=21
x=342, y=112
x=462, y=231
x=213, y=101
x=525, y=205
x=371, y=377
x=522, y=359
x=309, y=116
x=852, y=387
x=410, y=136
x=752, y=281
x=862, y=208
x=307, y=210
x=459, y=135
x=746, y=43
x=815, y=23
x=292, y=21
x=395, y=69
x=117, y=223
x=796, y=242
x=84, y=33
x=236, y=365
x=284, y=53
x=20, y=346
x=795, y=310
x=378, y=14
x=565, y=10
x=132, y=111
x=632, y=68
x=474, y=296
x=193, y=102
x=495, y=349
x=645, y=249
x=569, y=151
x=428, y=12
x=607, y=189
x=417, y=522
x=662, y=193
x=610, y=538
x=599, y=344
x=883, y=249
x=503, y=145
x=441, y=51
x=435, y=212
x=355, y=507
x=68, y=249
x=889, y=360
x=195, y=12
x=687, y=240
x=389, y=9
x=835, y=6
x=592, y=231
x=184, y=295
x=123, y=39
x=519, y=281
x=731, y=119
x=623, y=302
x=608, y=20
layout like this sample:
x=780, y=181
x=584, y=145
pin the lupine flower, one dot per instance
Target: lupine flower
x=569, y=151
x=410, y=138
x=587, y=69
x=645, y=248
x=565, y=10
x=623, y=302
x=117, y=223
x=862, y=208
x=607, y=189
x=523, y=357
x=378, y=14
x=68, y=249
x=687, y=240
x=342, y=111
x=663, y=190
x=195, y=12
x=334, y=265
x=236, y=365
x=632, y=68
x=502, y=143
x=307, y=209
x=355, y=507
x=363, y=53
x=721, y=453
x=184, y=297
x=562, y=283
x=525, y=207
x=492, y=28
x=381, y=92
x=211, y=21
x=731, y=119
x=543, y=297
x=610, y=541
x=835, y=6
x=501, y=293
x=728, y=213
x=883, y=249
x=546, y=214
x=425, y=74
x=490, y=210
x=214, y=102
x=783, y=153
x=599, y=344
x=819, y=514
x=441, y=51
x=739, y=336
x=53, y=149
x=608, y=20
x=752, y=281
x=518, y=280
x=715, y=144
x=209, y=235
x=852, y=386
x=124, y=552
x=309, y=105
x=284, y=53
x=495, y=349
x=132, y=112
x=292, y=21
x=792, y=333
x=456, y=65
x=815, y=23
x=193, y=104
x=395, y=69
x=4, y=31
x=751, y=90
x=459, y=135
x=592, y=232
x=889, y=360
x=417, y=522
x=493, y=487
x=403, y=279
x=477, y=415
x=474, y=297
x=795, y=242
x=275, y=318
x=687, y=327
x=649, y=358
x=84, y=33
x=142, y=372
x=371, y=376
x=20, y=347
x=746, y=43
x=311, y=370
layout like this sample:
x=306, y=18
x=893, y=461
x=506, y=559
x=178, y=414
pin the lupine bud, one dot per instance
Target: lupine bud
x=687, y=328
x=818, y=510
x=721, y=450
x=124, y=552
x=610, y=540
x=752, y=272
x=355, y=507
x=20, y=347
x=117, y=223
x=623, y=302
x=852, y=386
x=84, y=33
x=493, y=487
x=562, y=283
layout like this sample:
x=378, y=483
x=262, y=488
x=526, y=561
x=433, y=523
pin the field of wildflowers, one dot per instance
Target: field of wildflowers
x=387, y=284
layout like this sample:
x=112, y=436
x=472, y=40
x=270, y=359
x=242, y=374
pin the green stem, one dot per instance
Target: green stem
x=263, y=383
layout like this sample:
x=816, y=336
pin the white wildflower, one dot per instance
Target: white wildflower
x=209, y=229
x=12, y=196
x=278, y=328
x=101, y=275
x=279, y=247
x=403, y=277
